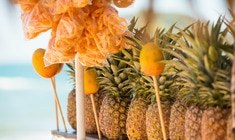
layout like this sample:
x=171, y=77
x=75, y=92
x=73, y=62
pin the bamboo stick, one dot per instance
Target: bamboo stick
x=96, y=116
x=58, y=103
x=159, y=107
x=56, y=112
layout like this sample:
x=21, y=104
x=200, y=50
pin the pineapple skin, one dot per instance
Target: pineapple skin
x=135, y=123
x=193, y=118
x=112, y=117
x=214, y=123
x=153, y=124
x=177, y=121
x=71, y=109
x=90, y=124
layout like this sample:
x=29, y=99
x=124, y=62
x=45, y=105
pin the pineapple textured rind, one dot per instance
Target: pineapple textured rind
x=71, y=109
x=135, y=126
x=177, y=121
x=214, y=123
x=153, y=124
x=112, y=120
x=193, y=118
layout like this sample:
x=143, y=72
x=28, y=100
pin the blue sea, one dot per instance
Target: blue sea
x=27, y=110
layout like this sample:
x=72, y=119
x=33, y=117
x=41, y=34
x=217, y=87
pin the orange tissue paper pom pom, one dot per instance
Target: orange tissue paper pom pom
x=26, y=5
x=36, y=21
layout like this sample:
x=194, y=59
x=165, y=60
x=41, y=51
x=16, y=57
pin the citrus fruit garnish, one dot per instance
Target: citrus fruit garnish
x=40, y=67
x=91, y=85
x=150, y=59
x=123, y=3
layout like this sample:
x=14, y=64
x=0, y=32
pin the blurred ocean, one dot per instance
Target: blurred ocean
x=27, y=110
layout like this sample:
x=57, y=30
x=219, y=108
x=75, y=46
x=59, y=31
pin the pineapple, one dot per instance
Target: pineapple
x=153, y=125
x=216, y=116
x=126, y=62
x=114, y=84
x=214, y=123
x=112, y=117
x=135, y=125
x=193, y=119
x=204, y=56
x=136, y=117
x=139, y=125
x=90, y=125
x=71, y=109
x=177, y=120
x=166, y=91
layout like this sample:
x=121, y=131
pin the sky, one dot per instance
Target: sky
x=16, y=49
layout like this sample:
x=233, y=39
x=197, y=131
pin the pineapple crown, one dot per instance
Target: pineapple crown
x=113, y=78
x=203, y=56
x=71, y=73
x=144, y=84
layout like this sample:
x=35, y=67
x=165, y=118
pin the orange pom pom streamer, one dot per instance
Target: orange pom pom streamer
x=90, y=28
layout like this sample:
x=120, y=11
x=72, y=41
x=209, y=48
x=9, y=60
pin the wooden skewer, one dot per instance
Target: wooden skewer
x=56, y=112
x=96, y=117
x=58, y=103
x=159, y=107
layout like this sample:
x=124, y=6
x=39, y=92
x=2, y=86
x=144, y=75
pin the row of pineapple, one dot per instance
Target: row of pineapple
x=194, y=87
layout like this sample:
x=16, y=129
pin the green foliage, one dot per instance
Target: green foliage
x=203, y=56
